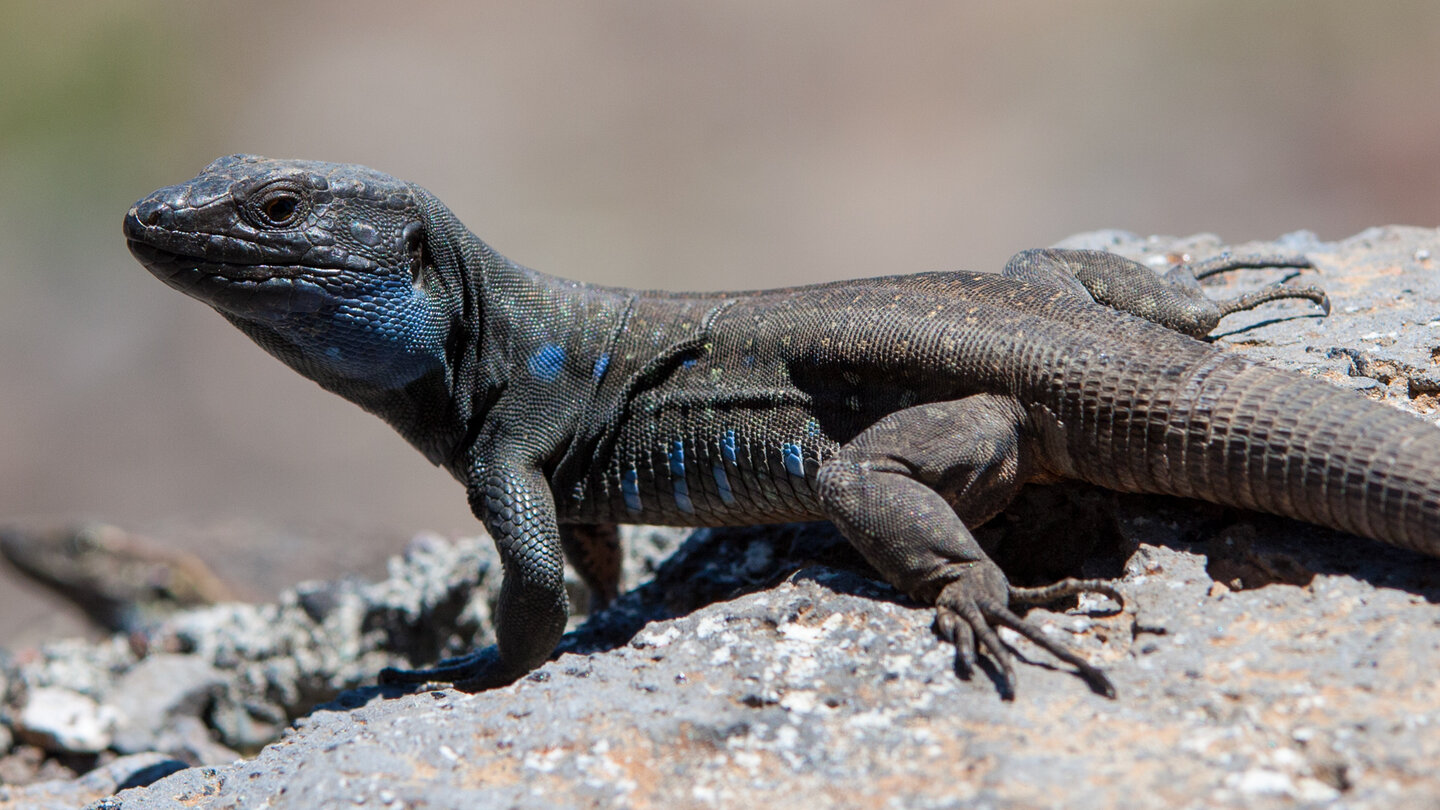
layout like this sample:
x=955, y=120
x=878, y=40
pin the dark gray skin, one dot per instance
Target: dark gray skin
x=905, y=409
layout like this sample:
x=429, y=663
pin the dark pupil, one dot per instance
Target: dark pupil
x=280, y=209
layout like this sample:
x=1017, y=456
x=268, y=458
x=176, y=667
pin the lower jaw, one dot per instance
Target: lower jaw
x=269, y=298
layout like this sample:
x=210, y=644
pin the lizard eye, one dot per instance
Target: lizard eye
x=281, y=208
x=278, y=205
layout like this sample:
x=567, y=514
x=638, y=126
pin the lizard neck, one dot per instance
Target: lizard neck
x=515, y=338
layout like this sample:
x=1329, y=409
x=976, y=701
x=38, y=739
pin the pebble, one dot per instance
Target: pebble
x=64, y=721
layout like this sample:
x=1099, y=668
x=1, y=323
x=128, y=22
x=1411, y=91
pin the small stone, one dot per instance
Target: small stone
x=190, y=741
x=1264, y=782
x=27, y=764
x=64, y=721
x=156, y=692
x=247, y=726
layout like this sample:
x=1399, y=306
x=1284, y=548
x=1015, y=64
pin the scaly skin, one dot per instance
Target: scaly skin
x=905, y=409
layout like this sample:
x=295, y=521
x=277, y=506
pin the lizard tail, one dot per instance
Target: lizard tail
x=1238, y=433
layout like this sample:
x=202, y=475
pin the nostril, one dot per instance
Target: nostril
x=150, y=213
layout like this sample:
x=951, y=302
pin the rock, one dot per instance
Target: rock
x=161, y=694
x=823, y=688
x=64, y=721
x=66, y=794
x=188, y=739
x=26, y=764
x=246, y=725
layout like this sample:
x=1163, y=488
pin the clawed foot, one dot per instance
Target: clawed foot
x=474, y=672
x=968, y=610
x=1226, y=262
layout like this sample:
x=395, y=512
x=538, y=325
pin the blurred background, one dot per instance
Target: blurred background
x=653, y=144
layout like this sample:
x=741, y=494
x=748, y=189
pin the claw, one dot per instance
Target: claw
x=975, y=611
x=1092, y=674
x=1226, y=262
x=950, y=628
x=1067, y=587
x=964, y=617
x=1274, y=292
x=472, y=672
x=1254, y=261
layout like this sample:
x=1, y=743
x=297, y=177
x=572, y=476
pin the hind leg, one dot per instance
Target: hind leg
x=1174, y=300
x=902, y=493
x=594, y=551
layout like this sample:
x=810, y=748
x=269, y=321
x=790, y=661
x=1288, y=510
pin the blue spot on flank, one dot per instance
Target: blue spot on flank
x=794, y=462
x=722, y=483
x=689, y=363
x=547, y=361
x=682, y=497
x=677, y=471
x=630, y=485
x=727, y=446
x=601, y=363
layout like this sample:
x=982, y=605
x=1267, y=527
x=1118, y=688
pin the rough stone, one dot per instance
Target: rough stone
x=159, y=703
x=66, y=794
x=26, y=764
x=66, y=721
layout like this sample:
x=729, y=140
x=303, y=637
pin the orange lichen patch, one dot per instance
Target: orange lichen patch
x=1121, y=755
x=1359, y=276
x=902, y=774
x=636, y=756
x=491, y=768
x=1426, y=403
x=1330, y=707
x=695, y=764
x=422, y=770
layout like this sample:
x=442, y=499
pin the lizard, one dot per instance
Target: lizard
x=123, y=581
x=906, y=409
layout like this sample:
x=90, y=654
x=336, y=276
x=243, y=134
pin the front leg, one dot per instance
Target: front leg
x=514, y=501
x=518, y=509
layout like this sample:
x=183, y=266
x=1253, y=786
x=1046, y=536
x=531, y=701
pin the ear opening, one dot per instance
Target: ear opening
x=416, y=249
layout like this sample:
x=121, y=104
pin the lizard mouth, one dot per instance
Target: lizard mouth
x=261, y=291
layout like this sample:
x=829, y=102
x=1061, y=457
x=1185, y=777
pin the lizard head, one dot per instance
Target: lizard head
x=327, y=266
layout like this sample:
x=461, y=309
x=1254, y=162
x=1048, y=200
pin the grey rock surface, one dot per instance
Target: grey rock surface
x=106, y=780
x=160, y=702
x=1261, y=662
